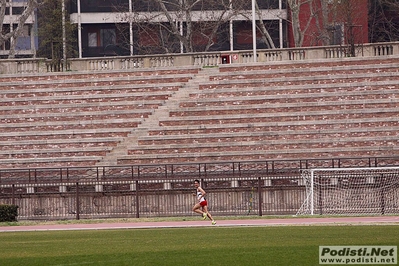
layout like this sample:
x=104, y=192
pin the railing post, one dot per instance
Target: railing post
x=137, y=200
x=13, y=194
x=199, y=171
x=77, y=202
x=260, y=196
x=137, y=193
x=205, y=176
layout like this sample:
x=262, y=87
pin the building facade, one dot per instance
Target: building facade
x=26, y=44
x=123, y=27
x=137, y=27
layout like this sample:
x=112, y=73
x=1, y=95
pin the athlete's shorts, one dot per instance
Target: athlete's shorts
x=203, y=203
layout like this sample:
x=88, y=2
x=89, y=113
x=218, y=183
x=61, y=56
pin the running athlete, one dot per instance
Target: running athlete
x=202, y=205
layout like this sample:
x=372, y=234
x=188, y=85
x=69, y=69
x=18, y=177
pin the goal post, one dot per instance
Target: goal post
x=351, y=191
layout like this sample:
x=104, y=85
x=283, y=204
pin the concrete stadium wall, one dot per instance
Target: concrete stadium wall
x=208, y=59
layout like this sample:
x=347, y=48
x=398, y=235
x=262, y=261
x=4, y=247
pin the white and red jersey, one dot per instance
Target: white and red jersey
x=199, y=196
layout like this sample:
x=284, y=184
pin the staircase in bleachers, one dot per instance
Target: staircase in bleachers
x=75, y=119
x=321, y=109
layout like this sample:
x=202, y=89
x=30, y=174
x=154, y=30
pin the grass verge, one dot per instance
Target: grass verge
x=296, y=245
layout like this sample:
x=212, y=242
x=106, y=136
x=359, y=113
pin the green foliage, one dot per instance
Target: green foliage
x=274, y=245
x=50, y=31
x=8, y=213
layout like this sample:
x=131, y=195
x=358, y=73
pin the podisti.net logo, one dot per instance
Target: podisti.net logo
x=358, y=255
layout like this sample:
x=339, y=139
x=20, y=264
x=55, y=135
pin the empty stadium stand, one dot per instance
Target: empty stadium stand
x=277, y=111
x=75, y=119
x=319, y=109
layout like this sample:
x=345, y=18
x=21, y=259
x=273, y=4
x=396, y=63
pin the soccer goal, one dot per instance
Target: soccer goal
x=351, y=191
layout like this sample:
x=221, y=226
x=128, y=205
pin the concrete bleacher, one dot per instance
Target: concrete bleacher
x=278, y=111
x=311, y=110
x=75, y=119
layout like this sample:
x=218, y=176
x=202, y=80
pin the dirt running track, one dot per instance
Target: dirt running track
x=226, y=223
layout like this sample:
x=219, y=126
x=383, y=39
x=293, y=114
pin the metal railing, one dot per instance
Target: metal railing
x=279, y=194
x=234, y=188
x=195, y=170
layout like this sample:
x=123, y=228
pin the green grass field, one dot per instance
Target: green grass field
x=273, y=245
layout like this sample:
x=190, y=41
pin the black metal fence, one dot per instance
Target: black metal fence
x=246, y=188
x=155, y=198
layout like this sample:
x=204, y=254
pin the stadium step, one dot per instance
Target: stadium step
x=154, y=119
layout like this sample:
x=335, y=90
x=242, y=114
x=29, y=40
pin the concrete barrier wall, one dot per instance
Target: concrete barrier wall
x=208, y=59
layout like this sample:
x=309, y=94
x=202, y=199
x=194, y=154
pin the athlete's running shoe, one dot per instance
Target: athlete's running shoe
x=213, y=222
x=204, y=216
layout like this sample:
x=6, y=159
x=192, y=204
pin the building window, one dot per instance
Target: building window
x=93, y=39
x=108, y=37
x=102, y=38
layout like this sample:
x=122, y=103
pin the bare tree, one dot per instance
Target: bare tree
x=349, y=20
x=185, y=12
x=323, y=14
x=196, y=25
x=12, y=35
x=298, y=29
x=175, y=23
x=383, y=20
x=241, y=7
x=326, y=22
x=262, y=28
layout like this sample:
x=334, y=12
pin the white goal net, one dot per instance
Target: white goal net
x=351, y=191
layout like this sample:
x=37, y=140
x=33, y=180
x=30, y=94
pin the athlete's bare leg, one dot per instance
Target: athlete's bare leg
x=197, y=209
x=205, y=210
